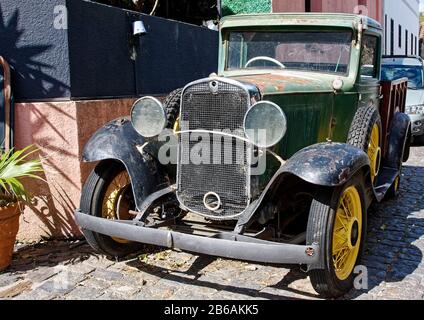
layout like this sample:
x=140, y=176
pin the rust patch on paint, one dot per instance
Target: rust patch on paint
x=269, y=83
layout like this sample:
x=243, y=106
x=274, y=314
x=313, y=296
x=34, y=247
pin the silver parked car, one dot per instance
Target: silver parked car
x=411, y=67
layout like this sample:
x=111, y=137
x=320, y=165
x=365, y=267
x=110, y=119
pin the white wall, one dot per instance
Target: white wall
x=404, y=13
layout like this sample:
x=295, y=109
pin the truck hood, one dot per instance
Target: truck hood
x=414, y=97
x=289, y=82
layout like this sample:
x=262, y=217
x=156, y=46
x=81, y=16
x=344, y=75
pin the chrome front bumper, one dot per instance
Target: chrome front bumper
x=227, y=245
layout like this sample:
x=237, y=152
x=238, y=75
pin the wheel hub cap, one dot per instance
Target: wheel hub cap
x=354, y=233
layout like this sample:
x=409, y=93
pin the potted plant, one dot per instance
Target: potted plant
x=14, y=166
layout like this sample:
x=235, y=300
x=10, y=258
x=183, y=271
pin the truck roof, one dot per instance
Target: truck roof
x=299, y=19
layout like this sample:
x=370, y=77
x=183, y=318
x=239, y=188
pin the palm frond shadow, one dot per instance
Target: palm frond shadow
x=26, y=61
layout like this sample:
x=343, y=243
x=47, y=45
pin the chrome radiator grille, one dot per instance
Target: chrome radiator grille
x=225, y=169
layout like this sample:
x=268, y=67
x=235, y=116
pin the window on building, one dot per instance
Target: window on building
x=406, y=42
x=308, y=6
x=369, y=57
x=385, y=34
x=400, y=36
x=416, y=46
x=392, y=37
x=412, y=44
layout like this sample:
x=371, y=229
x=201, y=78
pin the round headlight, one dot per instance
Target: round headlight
x=148, y=117
x=265, y=124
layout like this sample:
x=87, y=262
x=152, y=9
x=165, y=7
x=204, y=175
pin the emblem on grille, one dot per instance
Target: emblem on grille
x=213, y=86
x=212, y=201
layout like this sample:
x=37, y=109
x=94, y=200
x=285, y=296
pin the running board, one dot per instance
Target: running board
x=385, y=180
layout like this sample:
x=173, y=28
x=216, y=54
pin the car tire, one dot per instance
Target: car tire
x=361, y=134
x=324, y=229
x=172, y=107
x=92, y=203
x=407, y=148
x=393, y=191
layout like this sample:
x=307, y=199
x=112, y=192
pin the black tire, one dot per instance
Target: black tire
x=172, y=107
x=407, y=148
x=362, y=124
x=360, y=131
x=393, y=191
x=92, y=196
x=320, y=230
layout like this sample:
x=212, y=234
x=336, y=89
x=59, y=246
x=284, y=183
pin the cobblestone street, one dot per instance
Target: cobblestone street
x=70, y=270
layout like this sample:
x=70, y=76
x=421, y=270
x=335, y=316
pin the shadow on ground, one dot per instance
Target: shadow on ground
x=194, y=276
x=49, y=254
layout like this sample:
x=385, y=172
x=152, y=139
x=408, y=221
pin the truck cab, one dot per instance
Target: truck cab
x=328, y=63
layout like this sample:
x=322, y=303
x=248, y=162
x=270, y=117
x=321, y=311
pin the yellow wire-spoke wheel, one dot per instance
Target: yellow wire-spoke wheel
x=347, y=233
x=397, y=183
x=177, y=127
x=374, y=151
x=115, y=205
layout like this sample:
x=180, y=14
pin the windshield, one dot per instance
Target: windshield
x=413, y=73
x=327, y=52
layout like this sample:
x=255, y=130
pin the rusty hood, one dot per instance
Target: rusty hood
x=270, y=83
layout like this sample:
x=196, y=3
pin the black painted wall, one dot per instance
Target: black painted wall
x=37, y=52
x=182, y=51
x=99, y=51
x=92, y=57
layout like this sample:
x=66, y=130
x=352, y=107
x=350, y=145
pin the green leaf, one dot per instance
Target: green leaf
x=14, y=166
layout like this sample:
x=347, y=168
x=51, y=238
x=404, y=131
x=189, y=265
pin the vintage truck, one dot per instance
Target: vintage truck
x=275, y=159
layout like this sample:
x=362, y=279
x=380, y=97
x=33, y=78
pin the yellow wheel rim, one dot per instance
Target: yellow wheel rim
x=177, y=125
x=347, y=233
x=113, y=207
x=397, y=183
x=374, y=152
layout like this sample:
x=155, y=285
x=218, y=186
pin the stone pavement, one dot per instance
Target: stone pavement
x=71, y=270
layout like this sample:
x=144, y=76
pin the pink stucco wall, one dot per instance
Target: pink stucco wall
x=60, y=130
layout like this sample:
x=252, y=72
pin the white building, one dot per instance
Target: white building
x=401, y=27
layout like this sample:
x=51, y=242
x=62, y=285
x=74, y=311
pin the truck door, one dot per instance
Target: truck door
x=369, y=77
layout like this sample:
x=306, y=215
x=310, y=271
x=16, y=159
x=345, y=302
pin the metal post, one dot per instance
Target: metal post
x=219, y=6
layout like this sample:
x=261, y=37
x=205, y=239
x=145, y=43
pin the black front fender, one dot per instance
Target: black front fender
x=321, y=165
x=326, y=164
x=118, y=140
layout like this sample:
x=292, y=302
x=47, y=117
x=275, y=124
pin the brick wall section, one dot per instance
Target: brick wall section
x=60, y=130
x=374, y=7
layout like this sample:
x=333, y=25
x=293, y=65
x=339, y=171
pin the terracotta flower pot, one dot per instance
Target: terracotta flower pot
x=9, y=226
